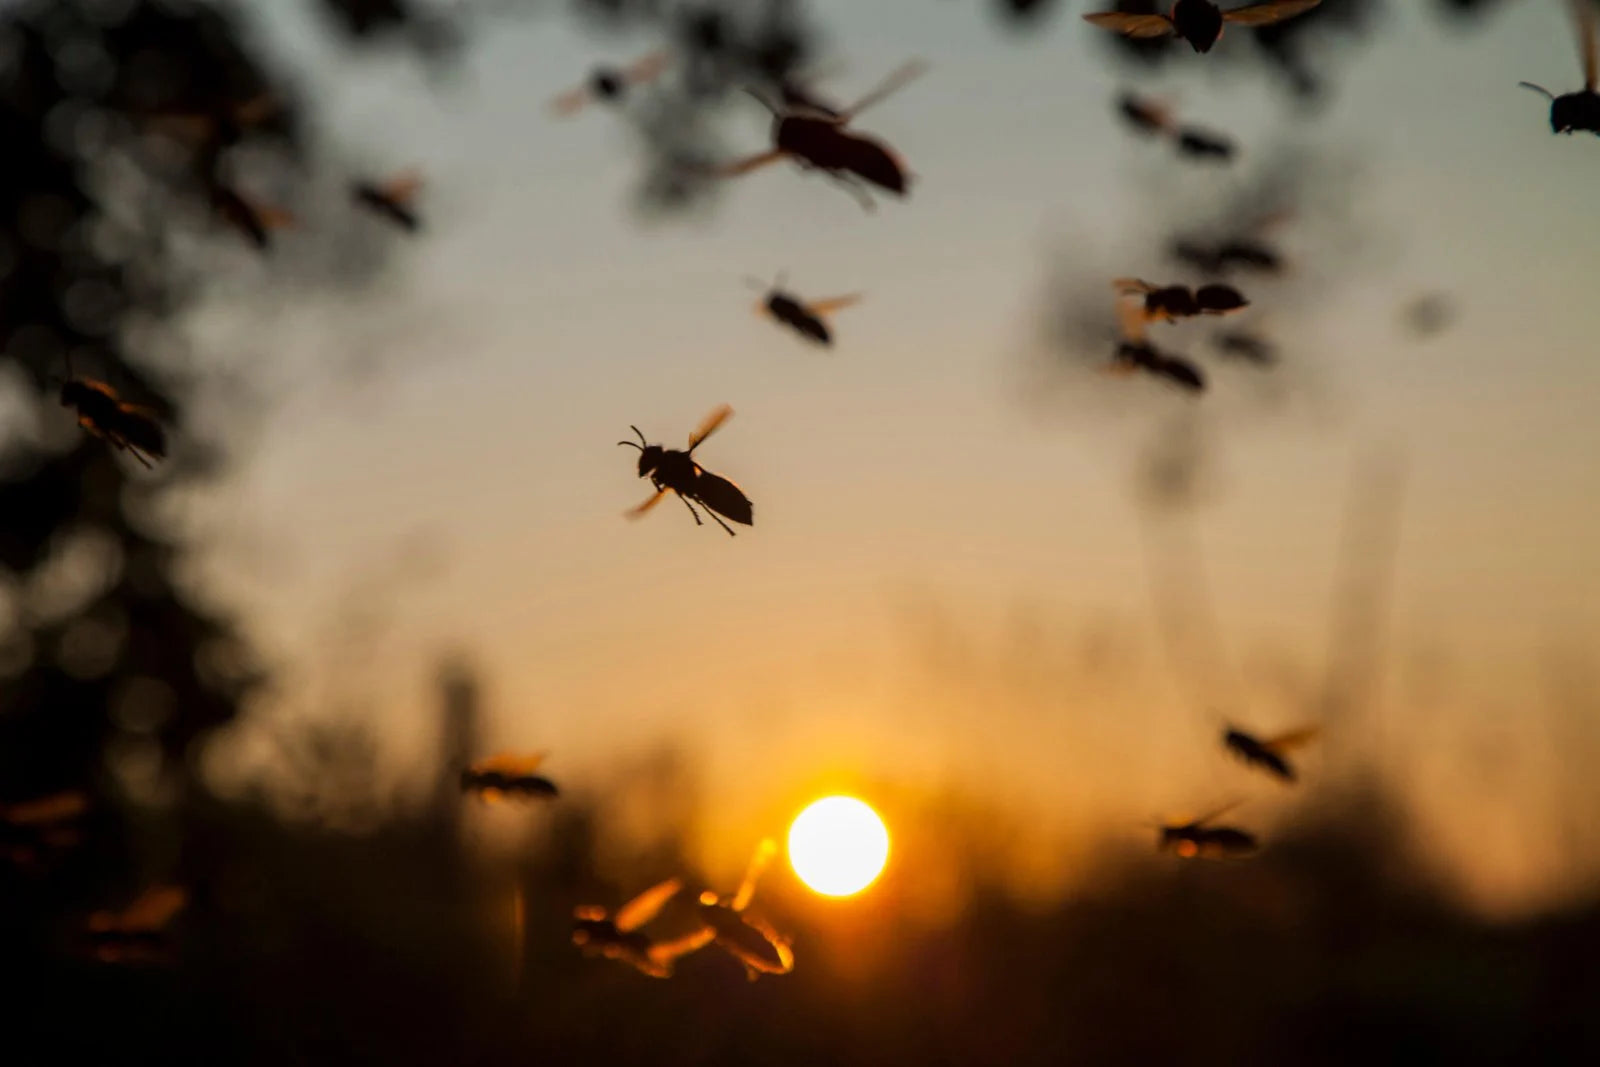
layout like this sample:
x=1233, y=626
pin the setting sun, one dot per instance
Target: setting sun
x=838, y=846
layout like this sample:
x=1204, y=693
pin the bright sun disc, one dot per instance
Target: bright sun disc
x=838, y=846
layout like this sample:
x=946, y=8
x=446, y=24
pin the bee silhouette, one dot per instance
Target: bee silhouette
x=508, y=776
x=610, y=85
x=1269, y=754
x=1245, y=346
x=1580, y=110
x=806, y=319
x=139, y=931
x=671, y=469
x=821, y=140
x=1198, y=21
x=255, y=221
x=1135, y=352
x=618, y=937
x=1196, y=839
x=1152, y=117
x=391, y=199
x=129, y=428
x=747, y=938
x=1173, y=302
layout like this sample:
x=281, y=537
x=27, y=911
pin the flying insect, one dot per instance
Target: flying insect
x=139, y=931
x=32, y=830
x=618, y=937
x=508, y=776
x=1196, y=839
x=1580, y=110
x=748, y=938
x=1135, y=352
x=391, y=199
x=1245, y=346
x=1269, y=754
x=255, y=221
x=1199, y=22
x=808, y=319
x=1173, y=302
x=129, y=428
x=671, y=469
x=610, y=85
x=1152, y=117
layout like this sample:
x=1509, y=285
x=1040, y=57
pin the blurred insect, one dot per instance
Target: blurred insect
x=1196, y=839
x=1153, y=117
x=139, y=931
x=1579, y=110
x=1267, y=754
x=821, y=140
x=748, y=938
x=214, y=131
x=1135, y=352
x=1203, y=144
x=806, y=319
x=129, y=428
x=1428, y=315
x=1199, y=22
x=255, y=221
x=508, y=776
x=1246, y=346
x=1173, y=302
x=391, y=199
x=1224, y=257
x=676, y=470
x=618, y=937
x=29, y=829
x=609, y=85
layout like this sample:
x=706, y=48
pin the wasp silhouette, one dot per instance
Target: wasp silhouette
x=1195, y=838
x=1173, y=302
x=618, y=937
x=609, y=85
x=391, y=199
x=1135, y=352
x=503, y=776
x=1222, y=258
x=255, y=221
x=821, y=140
x=1580, y=110
x=806, y=319
x=129, y=428
x=1153, y=117
x=1198, y=21
x=747, y=938
x=139, y=931
x=669, y=468
x=1268, y=754
x=1246, y=346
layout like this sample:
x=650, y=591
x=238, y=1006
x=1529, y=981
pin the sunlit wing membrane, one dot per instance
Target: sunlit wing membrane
x=58, y=807
x=1588, y=42
x=664, y=952
x=509, y=764
x=837, y=303
x=98, y=386
x=1267, y=14
x=571, y=101
x=709, y=425
x=1294, y=739
x=1132, y=285
x=647, y=905
x=748, y=164
x=634, y=513
x=402, y=188
x=1217, y=814
x=896, y=81
x=589, y=912
x=1131, y=25
x=1131, y=317
x=758, y=863
x=648, y=68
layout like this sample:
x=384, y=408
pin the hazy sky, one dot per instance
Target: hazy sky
x=947, y=577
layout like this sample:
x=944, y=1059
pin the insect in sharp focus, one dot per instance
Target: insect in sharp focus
x=609, y=85
x=1579, y=110
x=1246, y=346
x=1173, y=302
x=806, y=319
x=1135, y=352
x=503, y=776
x=1195, y=838
x=822, y=140
x=1199, y=22
x=392, y=199
x=1152, y=117
x=668, y=468
x=139, y=931
x=1268, y=754
x=618, y=937
x=748, y=938
x=255, y=221
x=129, y=428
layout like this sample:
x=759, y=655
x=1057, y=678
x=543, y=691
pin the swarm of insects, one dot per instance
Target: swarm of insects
x=610, y=85
x=671, y=469
x=820, y=139
x=1270, y=754
x=1579, y=110
x=748, y=938
x=618, y=937
x=128, y=427
x=1199, y=22
x=1152, y=117
x=139, y=931
x=1196, y=838
x=1174, y=302
x=1136, y=353
x=807, y=318
x=392, y=199
x=508, y=777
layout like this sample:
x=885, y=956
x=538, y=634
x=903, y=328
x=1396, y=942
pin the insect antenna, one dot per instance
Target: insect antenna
x=642, y=442
x=1538, y=89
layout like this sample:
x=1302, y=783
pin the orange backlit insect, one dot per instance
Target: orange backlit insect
x=1269, y=754
x=1135, y=352
x=255, y=221
x=392, y=199
x=139, y=931
x=675, y=470
x=748, y=938
x=1199, y=22
x=807, y=318
x=508, y=776
x=1194, y=838
x=1579, y=110
x=610, y=85
x=618, y=937
x=129, y=428
x=1173, y=302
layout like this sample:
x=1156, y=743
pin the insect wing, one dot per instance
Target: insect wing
x=570, y=102
x=1267, y=14
x=758, y=863
x=647, y=905
x=896, y=81
x=508, y=764
x=1213, y=815
x=1588, y=43
x=723, y=497
x=1131, y=318
x=1291, y=740
x=664, y=952
x=634, y=513
x=1132, y=25
x=837, y=303
x=748, y=164
x=1183, y=373
x=649, y=68
x=709, y=426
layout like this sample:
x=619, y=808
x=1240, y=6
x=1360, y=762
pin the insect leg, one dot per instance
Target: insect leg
x=720, y=523
x=692, y=511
